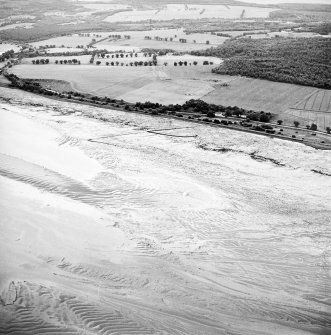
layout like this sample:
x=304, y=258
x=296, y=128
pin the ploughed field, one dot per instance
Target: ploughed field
x=315, y=107
x=289, y=102
x=108, y=227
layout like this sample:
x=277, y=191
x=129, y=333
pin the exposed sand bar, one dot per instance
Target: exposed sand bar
x=152, y=234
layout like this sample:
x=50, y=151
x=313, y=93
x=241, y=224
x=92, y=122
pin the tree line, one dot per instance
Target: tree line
x=153, y=62
x=64, y=61
x=198, y=106
x=136, y=63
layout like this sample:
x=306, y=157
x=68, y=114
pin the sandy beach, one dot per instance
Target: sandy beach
x=107, y=228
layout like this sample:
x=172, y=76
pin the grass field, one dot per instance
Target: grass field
x=174, y=11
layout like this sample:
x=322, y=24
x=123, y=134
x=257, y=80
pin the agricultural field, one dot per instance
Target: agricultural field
x=163, y=38
x=175, y=84
x=168, y=84
x=287, y=102
x=191, y=12
x=256, y=94
x=88, y=9
x=165, y=84
x=315, y=108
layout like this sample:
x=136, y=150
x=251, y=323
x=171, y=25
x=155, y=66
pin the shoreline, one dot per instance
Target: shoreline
x=92, y=248
x=320, y=146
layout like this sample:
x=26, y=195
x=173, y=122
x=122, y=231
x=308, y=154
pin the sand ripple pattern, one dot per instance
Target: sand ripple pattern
x=30, y=314
x=221, y=243
x=51, y=181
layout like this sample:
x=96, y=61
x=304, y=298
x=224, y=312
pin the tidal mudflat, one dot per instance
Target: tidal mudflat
x=107, y=227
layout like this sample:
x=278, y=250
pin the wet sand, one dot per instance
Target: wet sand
x=140, y=233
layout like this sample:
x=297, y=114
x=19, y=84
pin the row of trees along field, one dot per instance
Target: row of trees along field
x=120, y=55
x=170, y=39
x=53, y=46
x=303, y=61
x=153, y=62
x=150, y=63
x=64, y=61
x=201, y=107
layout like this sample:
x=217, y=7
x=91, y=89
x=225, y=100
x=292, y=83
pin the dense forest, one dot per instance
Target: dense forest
x=303, y=61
